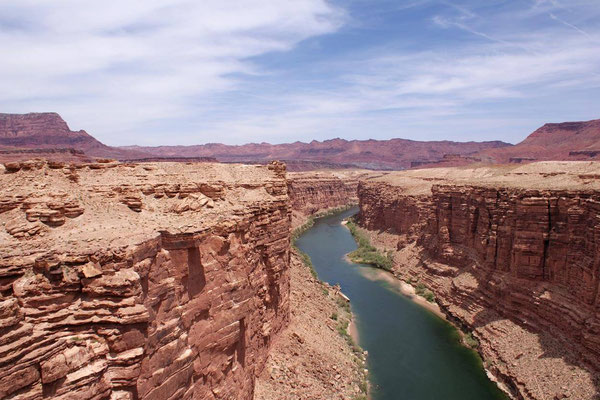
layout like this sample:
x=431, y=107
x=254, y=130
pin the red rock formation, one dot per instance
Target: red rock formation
x=492, y=253
x=562, y=141
x=57, y=154
x=375, y=154
x=173, y=159
x=313, y=192
x=46, y=134
x=42, y=129
x=109, y=294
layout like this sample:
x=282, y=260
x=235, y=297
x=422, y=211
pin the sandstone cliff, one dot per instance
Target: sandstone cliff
x=47, y=134
x=140, y=281
x=310, y=359
x=512, y=253
x=314, y=191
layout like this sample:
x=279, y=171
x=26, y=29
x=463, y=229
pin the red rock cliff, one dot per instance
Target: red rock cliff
x=39, y=131
x=140, y=281
x=497, y=251
x=311, y=192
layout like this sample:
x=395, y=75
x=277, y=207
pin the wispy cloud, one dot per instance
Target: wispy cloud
x=183, y=71
x=554, y=17
x=115, y=65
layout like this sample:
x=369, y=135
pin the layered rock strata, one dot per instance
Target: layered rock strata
x=511, y=253
x=311, y=192
x=147, y=281
x=47, y=135
x=310, y=359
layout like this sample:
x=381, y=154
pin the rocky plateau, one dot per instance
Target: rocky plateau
x=153, y=281
x=511, y=254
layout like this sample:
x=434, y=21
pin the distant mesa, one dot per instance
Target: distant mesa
x=173, y=159
x=390, y=154
x=47, y=135
x=567, y=141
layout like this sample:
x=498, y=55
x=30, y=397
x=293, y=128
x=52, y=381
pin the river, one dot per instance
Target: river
x=413, y=353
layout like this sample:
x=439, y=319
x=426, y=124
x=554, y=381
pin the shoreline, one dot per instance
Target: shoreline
x=409, y=291
x=352, y=335
x=353, y=329
x=405, y=289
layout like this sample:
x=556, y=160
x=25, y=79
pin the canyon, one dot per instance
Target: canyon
x=153, y=281
x=318, y=191
x=177, y=280
x=511, y=255
x=163, y=281
x=47, y=135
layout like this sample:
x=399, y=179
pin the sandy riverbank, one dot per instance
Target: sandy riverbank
x=409, y=291
x=406, y=289
x=403, y=288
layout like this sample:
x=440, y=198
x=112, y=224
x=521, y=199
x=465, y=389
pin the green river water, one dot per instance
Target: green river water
x=413, y=353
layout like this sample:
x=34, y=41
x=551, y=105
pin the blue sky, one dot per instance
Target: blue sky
x=153, y=72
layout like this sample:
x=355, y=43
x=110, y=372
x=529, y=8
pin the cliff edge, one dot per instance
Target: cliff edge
x=511, y=253
x=149, y=281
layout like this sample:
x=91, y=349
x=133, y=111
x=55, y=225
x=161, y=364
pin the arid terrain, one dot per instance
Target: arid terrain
x=26, y=136
x=510, y=253
x=300, y=200
x=102, y=260
x=373, y=154
x=164, y=281
x=561, y=141
x=153, y=281
x=176, y=280
x=47, y=135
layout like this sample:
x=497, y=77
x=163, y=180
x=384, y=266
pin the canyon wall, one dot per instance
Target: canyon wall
x=311, y=192
x=506, y=257
x=140, y=281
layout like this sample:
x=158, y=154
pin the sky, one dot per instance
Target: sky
x=152, y=72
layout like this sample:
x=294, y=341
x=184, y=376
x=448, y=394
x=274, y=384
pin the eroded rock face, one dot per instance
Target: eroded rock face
x=316, y=191
x=506, y=261
x=24, y=136
x=131, y=297
x=562, y=141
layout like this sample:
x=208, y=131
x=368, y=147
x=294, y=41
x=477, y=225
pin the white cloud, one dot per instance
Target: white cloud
x=404, y=95
x=114, y=65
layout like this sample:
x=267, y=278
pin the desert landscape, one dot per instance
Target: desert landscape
x=141, y=280
x=307, y=200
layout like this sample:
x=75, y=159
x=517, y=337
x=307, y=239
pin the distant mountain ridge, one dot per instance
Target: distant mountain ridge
x=374, y=154
x=49, y=131
x=47, y=135
x=553, y=141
